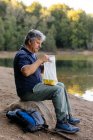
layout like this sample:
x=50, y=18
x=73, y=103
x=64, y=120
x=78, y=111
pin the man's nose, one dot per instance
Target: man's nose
x=39, y=46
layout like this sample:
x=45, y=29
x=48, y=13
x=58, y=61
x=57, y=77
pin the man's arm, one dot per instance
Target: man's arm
x=30, y=69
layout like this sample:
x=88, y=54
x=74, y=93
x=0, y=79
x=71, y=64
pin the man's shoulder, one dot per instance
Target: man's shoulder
x=20, y=52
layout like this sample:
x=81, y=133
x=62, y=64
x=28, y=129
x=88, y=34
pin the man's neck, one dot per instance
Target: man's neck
x=27, y=47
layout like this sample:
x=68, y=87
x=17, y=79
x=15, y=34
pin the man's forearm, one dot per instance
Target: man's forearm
x=30, y=69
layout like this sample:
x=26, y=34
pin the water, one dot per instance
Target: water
x=76, y=75
x=6, y=62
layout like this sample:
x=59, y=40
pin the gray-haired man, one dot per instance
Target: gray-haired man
x=29, y=86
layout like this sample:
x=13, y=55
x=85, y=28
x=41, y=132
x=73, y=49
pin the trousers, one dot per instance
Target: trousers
x=56, y=93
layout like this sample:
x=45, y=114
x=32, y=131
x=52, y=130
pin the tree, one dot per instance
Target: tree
x=63, y=26
x=79, y=34
x=2, y=40
x=2, y=9
x=34, y=8
x=50, y=44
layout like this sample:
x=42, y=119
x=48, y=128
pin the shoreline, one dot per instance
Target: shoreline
x=6, y=54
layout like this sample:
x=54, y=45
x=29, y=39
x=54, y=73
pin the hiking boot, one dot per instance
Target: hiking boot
x=66, y=127
x=73, y=120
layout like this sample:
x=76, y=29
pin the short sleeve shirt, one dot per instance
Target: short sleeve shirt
x=25, y=84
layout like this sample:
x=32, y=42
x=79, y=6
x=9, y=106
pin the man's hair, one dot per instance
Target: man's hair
x=33, y=34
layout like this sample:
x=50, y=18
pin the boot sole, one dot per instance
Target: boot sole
x=62, y=130
x=73, y=123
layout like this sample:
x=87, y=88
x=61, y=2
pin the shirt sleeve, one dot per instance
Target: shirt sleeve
x=22, y=61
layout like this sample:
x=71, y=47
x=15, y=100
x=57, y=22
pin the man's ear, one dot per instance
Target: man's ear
x=29, y=42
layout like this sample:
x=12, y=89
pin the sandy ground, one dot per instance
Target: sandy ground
x=5, y=54
x=81, y=108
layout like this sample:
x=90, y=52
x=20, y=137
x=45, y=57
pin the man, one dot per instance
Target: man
x=29, y=85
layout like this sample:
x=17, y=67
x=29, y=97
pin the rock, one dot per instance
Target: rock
x=40, y=106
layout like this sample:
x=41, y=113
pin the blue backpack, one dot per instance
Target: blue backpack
x=29, y=121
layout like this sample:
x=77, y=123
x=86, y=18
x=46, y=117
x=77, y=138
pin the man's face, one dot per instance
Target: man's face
x=35, y=45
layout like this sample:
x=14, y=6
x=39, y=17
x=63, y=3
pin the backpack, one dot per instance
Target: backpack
x=29, y=121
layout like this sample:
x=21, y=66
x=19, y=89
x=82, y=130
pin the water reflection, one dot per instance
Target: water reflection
x=77, y=76
x=88, y=95
x=6, y=62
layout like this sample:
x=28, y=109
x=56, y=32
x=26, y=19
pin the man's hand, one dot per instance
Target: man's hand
x=44, y=58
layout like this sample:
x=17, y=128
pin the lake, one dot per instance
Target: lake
x=77, y=75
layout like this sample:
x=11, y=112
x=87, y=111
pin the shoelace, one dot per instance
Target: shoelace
x=64, y=121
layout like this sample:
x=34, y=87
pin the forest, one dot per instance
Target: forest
x=64, y=27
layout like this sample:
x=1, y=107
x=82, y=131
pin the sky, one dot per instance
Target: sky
x=86, y=5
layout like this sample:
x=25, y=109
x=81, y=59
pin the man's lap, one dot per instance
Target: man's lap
x=42, y=92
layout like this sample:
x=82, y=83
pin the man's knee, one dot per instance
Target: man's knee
x=58, y=89
x=61, y=84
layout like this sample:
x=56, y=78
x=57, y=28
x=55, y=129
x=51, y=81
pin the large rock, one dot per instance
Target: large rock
x=43, y=107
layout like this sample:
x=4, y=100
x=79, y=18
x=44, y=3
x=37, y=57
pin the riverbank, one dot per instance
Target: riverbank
x=6, y=54
x=81, y=109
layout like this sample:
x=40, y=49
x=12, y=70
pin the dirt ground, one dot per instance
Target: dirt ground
x=5, y=54
x=81, y=109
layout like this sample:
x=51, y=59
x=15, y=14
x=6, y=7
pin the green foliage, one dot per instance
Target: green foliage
x=50, y=44
x=34, y=9
x=2, y=40
x=2, y=8
x=63, y=26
